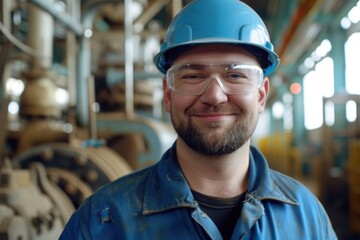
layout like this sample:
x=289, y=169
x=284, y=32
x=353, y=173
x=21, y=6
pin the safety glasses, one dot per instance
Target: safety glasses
x=233, y=78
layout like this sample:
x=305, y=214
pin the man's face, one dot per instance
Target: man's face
x=215, y=123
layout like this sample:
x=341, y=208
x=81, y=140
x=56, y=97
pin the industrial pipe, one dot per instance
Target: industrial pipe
x=62, y=17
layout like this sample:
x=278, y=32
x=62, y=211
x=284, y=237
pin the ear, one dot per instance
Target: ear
x=167, y=95
x=263, y=94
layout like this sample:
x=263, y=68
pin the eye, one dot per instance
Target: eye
x=235, y=76
x=191, y=76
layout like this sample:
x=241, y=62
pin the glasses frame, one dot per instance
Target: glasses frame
x=170, y=78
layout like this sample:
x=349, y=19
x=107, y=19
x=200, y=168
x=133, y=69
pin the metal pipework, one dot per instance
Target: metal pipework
x=129, y=60
x=157, y=135
x=85, y=56
x=41, y=35
x=38, y=98
x=64, y=18
x=84, y=62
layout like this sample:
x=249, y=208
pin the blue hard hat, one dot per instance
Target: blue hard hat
x=217, y=21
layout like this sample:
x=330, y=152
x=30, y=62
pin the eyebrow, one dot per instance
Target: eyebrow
x=193, y=66
x=203, y=66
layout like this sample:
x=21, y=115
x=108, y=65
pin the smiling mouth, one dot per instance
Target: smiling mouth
x=214, y=117
x=214, y=113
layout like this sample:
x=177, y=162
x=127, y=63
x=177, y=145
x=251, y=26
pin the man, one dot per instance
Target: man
x=212, y=184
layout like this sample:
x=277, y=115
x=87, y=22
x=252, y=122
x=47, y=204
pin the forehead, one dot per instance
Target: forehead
x=216, y=53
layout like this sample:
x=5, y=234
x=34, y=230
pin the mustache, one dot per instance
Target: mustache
x=213, y=109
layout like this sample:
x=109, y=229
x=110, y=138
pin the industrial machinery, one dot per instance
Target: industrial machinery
x=81, y=102
x=31, y=206
x=83, y=118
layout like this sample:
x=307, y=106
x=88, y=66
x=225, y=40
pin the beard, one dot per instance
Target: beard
x=206, y=138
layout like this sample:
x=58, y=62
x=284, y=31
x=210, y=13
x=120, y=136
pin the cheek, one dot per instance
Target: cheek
x=177, y=103
x=246, y=102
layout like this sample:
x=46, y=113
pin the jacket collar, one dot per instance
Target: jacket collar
x=263, y=183
x=167, y=188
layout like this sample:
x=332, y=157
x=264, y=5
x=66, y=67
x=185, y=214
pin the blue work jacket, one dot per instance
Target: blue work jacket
x=157, y=203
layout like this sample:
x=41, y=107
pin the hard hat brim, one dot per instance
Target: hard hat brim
x=166, y=56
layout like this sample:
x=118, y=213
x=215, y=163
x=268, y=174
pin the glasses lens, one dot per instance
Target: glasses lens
x=241, y=79
x=193, y=79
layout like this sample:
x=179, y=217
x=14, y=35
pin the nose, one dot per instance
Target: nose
x=214, y=93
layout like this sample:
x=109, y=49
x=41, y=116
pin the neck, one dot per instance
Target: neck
x=219, y=176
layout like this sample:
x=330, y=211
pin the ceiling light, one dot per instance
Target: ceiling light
x=345, y=23
x=354, y=14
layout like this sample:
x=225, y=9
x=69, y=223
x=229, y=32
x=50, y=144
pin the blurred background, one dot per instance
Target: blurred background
x=81, y=103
